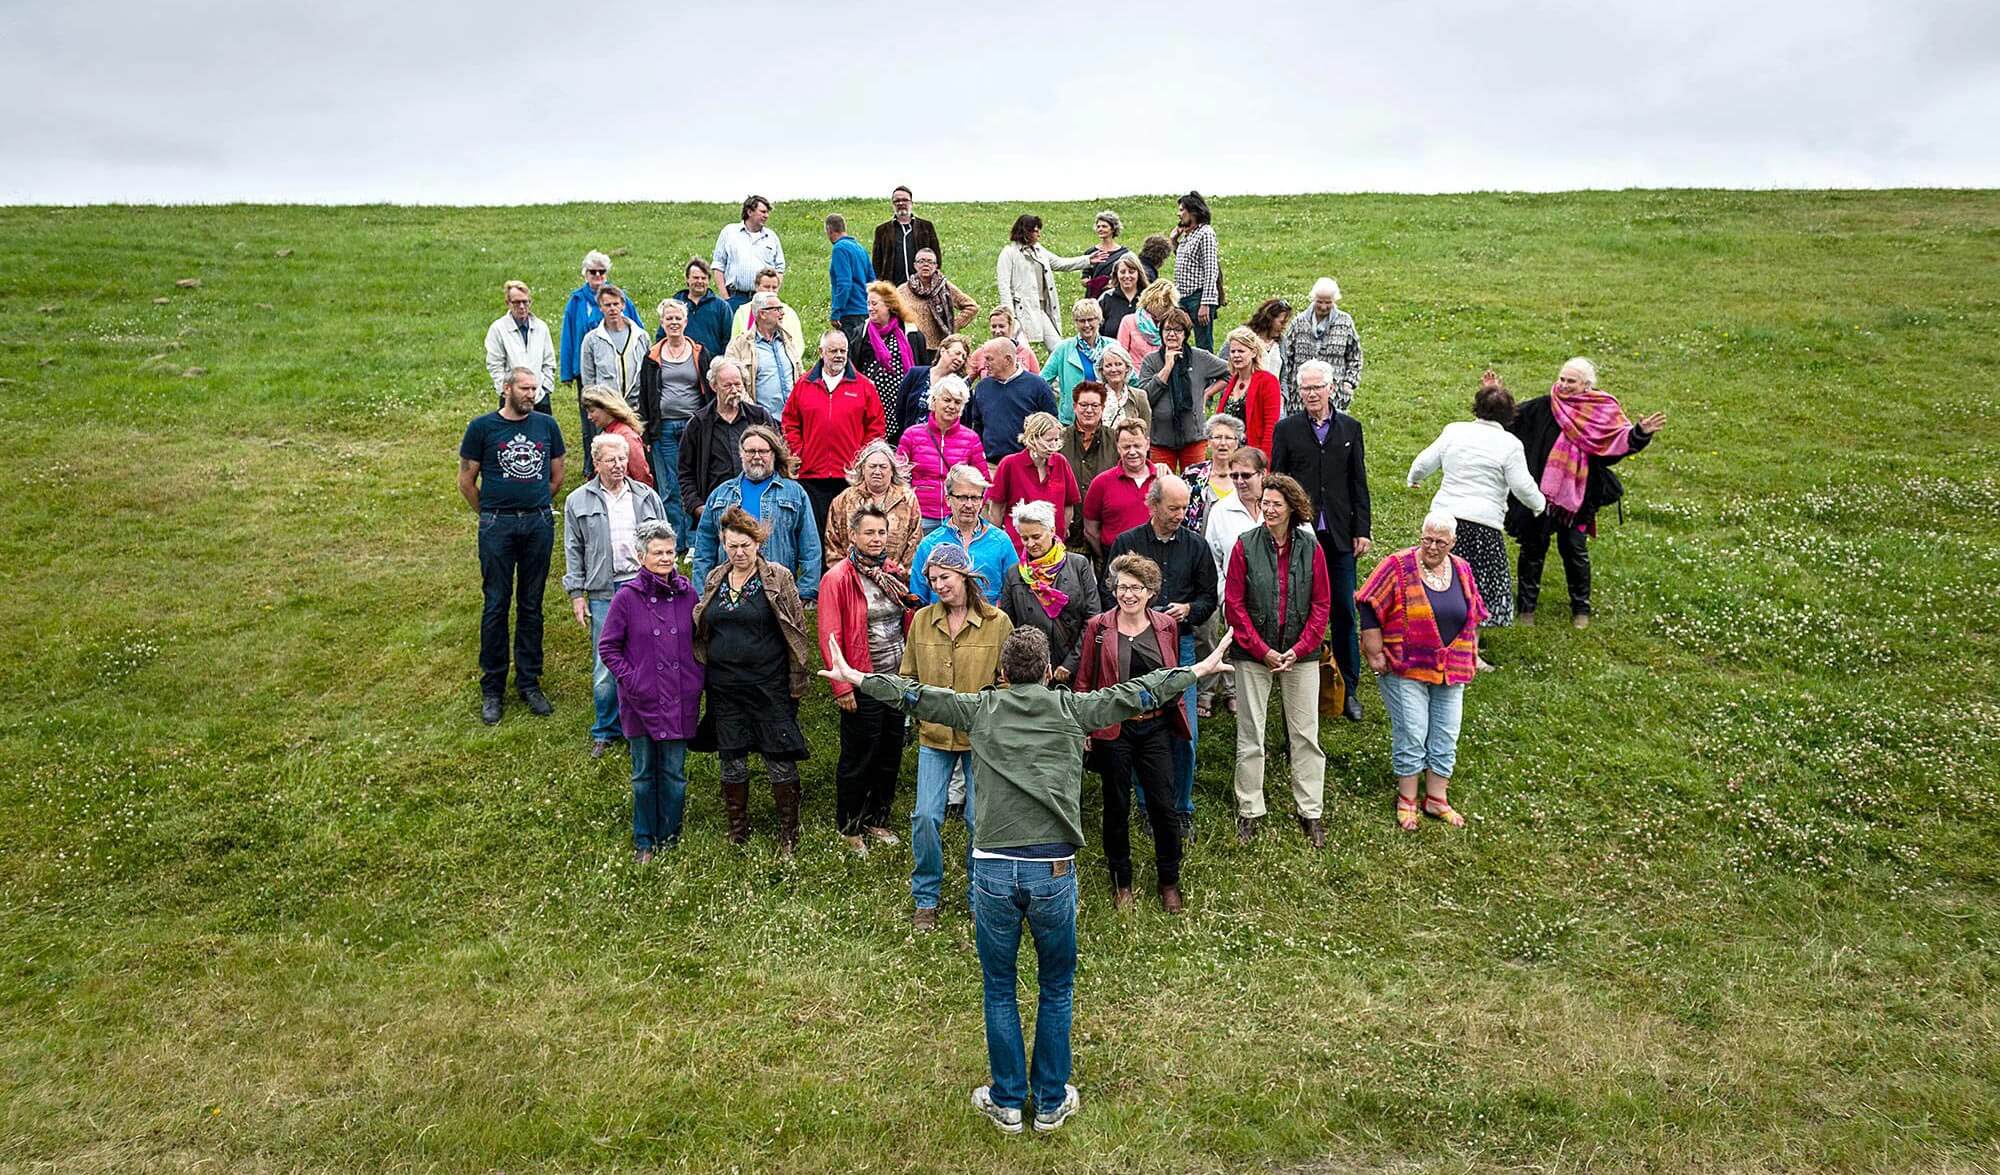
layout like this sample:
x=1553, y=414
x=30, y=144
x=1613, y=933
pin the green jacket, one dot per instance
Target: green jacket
x=1027, y=746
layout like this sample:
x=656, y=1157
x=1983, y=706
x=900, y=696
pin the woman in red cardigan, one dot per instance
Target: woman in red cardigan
x=864, y=609
x=1420, y=614
x=1248, y=392
x=1130, y=641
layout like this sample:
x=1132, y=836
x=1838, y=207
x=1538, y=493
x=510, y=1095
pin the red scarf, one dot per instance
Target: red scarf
x=1593, y=425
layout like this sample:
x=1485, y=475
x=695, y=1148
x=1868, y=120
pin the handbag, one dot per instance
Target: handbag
x=1332, y=686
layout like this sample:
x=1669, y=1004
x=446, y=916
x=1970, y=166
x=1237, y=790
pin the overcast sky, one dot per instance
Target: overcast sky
x=498, y=102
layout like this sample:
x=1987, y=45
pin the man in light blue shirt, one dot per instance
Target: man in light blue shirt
x=770, y=355
x=743, y=249
x=992, y=552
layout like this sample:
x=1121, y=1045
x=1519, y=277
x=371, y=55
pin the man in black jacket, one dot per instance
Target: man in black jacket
x=1320, y=447
x=1188, y=593
x=708, y=453
x=898, y=239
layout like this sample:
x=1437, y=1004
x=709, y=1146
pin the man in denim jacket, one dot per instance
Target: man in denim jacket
x=772, y=499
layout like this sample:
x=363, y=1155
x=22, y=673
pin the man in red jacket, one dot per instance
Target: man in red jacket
x=832, y=412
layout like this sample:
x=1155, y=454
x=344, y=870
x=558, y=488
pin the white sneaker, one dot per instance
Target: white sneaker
x=1070, y=1104
x=1005, y=1120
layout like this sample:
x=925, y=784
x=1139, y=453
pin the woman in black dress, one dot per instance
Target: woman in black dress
x=750, y=632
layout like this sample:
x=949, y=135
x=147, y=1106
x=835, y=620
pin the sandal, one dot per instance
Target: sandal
x=1406, y=814
x=1438, y=807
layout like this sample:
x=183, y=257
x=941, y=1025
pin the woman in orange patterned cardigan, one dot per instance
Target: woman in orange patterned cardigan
x=1420, y=613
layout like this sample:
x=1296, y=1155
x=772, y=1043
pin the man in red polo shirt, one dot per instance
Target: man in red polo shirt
x=832, y=412
x=1116, y=500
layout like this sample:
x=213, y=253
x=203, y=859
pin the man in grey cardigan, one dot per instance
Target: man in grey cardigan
x=600, y=553
x=1027, y=740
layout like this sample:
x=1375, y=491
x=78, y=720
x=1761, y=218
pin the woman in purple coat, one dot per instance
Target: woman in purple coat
x=648, y=644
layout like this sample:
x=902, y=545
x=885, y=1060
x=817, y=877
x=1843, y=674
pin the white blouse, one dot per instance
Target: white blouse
x=1482, y=464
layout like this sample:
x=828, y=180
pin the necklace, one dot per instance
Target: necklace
x=1437, y=580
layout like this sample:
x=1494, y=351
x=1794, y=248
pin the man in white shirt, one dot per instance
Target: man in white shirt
x=743, y=249
x=1234, y=511
x=519, y=339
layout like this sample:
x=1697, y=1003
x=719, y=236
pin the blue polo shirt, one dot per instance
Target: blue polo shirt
x=992, y=554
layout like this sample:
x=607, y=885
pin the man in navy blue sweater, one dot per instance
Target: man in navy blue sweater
x=848, y=272
x=1004, y=399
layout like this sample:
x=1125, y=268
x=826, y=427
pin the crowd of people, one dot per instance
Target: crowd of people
x=1052, y=550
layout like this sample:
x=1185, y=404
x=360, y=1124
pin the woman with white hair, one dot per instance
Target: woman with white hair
x=1037, y=473
x=1097, y=277
x=1052, y=589
x=1075, y=359
x=1324, y=332
x=1122, y=401
x=1420, y=613
x=880, y=479
x=1571, y=437
x=930, y=449
x=581, y=314
x=646, y=643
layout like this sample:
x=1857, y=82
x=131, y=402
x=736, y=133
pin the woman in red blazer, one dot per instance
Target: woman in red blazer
x=1248, y=392
x=858, y=598
x=1131, y=641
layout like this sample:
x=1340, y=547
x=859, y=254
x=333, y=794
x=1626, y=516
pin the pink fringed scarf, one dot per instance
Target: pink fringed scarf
x=892, y=351
x=1593, y=425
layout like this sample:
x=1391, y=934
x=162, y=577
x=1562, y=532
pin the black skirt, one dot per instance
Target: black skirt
x=1485, y=548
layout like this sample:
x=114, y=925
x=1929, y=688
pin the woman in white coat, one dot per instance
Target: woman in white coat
x=1482, y=464
x=1027, y=278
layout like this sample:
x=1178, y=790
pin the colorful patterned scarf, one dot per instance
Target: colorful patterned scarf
x=891, y=350
x=891, y=580
x=1040, y=575
x=1593, y=425
x=937, y=296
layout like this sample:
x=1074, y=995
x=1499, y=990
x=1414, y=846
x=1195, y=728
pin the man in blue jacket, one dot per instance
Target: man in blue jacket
x=848, y=272
x=1005, y=399
x=774, y=500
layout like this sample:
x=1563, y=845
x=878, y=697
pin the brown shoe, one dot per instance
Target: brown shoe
x=859, y=846
x=881, y=836
x=924, y=918
x=1122, y=899
x=1314, y=830
x=1170, y=898
x=1526, y=619
x=1246, y=830
x=785, y=797
x=736, y=805
x=1581, y=620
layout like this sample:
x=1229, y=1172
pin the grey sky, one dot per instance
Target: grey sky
x=449, y=101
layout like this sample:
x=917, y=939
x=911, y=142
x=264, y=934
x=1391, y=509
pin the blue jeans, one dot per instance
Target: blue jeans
x=514, y=551
x=1342, y=629
x=1423, y=724
x=1004, y=894
x=1182, y=753
x=930, y=524
x=927, y=816
x=659, y=791
x=603, y=686
x=666, y=459
x=1204, y=335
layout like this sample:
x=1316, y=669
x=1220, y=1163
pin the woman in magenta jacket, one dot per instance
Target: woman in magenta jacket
x=647, y=642
x=936, y=445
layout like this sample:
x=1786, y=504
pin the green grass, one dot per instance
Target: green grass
x=271, y=897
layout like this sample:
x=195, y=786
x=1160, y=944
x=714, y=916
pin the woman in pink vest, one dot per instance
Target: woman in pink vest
x=940, y=442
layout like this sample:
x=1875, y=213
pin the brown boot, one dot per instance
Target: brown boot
x=736, y=805
x=1170, y=898
x=786, y=797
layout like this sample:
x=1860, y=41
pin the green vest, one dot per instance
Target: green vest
x=1260, y=587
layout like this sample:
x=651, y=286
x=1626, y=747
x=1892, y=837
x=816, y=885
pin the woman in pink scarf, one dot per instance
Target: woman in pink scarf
x=1572, y=438
x=884, y=353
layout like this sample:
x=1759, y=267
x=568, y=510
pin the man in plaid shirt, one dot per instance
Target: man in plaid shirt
x=1197, y=269
x=1323, y=332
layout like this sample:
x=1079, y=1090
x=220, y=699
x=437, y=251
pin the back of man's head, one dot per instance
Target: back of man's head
x=1024, y=657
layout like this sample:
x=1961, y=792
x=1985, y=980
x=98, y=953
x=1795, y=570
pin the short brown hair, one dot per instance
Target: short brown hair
x=1089, y=385
x=1250, y=455
x=1176, y=319
x=1493, y=402
x=1137, y=566
x=607, y=290
x=1132, y=424
x=1296, y=501
x=738, y=519
x=1024, y=656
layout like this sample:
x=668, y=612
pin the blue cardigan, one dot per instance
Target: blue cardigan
x=708, y=323
x=849, y=271
x=580, y=317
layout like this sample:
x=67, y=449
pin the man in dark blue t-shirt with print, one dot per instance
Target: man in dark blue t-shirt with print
x=507, y=465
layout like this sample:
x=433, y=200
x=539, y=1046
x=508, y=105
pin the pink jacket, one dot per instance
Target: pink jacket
x=931, y=456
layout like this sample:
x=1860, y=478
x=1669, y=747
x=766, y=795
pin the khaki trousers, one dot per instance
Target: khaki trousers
x=1299, y=689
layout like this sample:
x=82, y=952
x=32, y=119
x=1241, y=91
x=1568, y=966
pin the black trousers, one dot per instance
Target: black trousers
x=514, y=552
x=1342, y=628
x=1574, y=547
x=871, y=755
x=821, y=491
x=1144, y=747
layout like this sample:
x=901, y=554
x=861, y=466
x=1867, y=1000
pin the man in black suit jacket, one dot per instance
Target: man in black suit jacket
x=1321, y=448
x=898, y=239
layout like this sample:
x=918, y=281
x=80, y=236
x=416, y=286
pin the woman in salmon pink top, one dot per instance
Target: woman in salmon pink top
x=1038, y=473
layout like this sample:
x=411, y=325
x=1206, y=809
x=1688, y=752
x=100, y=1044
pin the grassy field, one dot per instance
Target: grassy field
x=272, y=898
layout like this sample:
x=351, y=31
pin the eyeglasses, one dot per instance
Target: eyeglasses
x=1125, y=588
x=968, y=497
